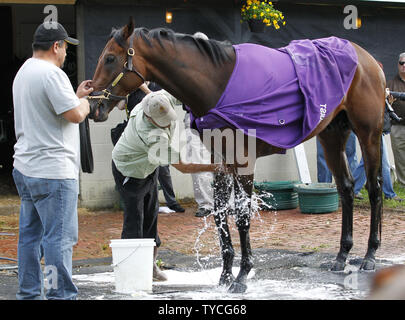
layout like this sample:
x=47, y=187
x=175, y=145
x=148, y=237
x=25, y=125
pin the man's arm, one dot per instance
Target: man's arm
x=80, y=112
x=144, y=87
x=194, y=167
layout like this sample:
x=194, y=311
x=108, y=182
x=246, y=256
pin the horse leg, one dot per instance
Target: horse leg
x=333, y=140
x=222, y=190
x=372, y=153
x=243, y=193
x=365, y=110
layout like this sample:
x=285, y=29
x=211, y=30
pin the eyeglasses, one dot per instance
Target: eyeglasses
x=401, y=62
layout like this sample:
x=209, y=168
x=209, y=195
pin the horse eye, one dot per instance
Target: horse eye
x=109, y=59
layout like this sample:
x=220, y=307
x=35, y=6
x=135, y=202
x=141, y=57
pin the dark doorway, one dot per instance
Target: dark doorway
x=9, y=65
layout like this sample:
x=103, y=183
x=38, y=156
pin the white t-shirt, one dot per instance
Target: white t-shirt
x=48, y=146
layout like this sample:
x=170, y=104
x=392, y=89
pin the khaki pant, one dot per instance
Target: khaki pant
x=202, y=182
x=398, y=149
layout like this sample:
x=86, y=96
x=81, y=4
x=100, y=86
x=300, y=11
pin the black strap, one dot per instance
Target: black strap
x=86, y=153
x=130, y=55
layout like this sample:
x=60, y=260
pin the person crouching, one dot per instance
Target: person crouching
x=145, y=145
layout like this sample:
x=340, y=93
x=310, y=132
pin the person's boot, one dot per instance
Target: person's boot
x=158, y=275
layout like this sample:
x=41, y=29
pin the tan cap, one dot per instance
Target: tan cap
x=157, y=106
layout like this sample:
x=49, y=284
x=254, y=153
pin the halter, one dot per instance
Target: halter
x=128, y=66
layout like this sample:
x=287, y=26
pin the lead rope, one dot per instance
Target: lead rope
x=126, y=106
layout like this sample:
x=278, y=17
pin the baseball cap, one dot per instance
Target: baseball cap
x=52, y=31
x=157, y=106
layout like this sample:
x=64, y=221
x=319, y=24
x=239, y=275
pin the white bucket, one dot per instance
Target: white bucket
x=133, y=264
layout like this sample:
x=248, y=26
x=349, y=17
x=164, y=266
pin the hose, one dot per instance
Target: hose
x=4, y=258
x=8, y=267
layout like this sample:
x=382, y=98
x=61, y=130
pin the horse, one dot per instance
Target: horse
x=197, y=72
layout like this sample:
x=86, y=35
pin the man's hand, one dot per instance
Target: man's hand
x=144, y=87
x=194, y=167
x=84, y=89
x=391, y=99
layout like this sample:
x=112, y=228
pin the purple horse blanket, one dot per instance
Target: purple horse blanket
x=283, y=93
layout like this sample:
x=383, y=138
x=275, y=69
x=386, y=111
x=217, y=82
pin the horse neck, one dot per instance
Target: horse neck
x=186, y=74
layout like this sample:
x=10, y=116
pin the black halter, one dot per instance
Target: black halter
x=128, y=66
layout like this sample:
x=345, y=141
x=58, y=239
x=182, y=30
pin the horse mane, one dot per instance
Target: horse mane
x=213, y=49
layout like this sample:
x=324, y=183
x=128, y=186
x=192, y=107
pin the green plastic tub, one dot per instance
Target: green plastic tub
x=279, y=195
x=317, y=197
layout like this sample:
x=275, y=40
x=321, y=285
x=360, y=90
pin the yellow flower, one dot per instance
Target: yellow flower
x=283, y=23
x=263, y=11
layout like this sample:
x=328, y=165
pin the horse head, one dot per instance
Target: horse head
x=116, y=74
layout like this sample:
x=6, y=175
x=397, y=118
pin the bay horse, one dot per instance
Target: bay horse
x=197, y=71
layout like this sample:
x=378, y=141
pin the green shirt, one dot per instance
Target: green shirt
x=143, y=146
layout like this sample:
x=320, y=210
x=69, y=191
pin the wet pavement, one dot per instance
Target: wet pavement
x=276, y=275
x=292, y=254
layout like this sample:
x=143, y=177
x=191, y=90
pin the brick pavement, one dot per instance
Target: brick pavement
x=182, y=232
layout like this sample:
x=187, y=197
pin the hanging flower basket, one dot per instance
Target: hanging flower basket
x=261, y=13
x=256, y=26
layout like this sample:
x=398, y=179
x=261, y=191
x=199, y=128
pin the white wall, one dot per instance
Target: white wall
x=97, y=188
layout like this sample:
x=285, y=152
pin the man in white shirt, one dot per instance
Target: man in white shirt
x=46, y=165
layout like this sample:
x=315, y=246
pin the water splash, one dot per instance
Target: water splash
x=245, y=209
x=202, y=285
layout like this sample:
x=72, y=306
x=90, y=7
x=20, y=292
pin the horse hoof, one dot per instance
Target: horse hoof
x=338, y=266
x=368, y=265
x=226, y=279
x=237, y=287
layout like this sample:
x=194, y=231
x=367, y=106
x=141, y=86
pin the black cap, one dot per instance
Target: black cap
x=52, y=31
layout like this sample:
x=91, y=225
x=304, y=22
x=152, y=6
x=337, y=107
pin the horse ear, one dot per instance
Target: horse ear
x=129, y=28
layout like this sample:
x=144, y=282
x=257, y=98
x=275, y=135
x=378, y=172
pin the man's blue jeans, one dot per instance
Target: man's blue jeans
x=359, y=175
x=324, y=174
x=49, y=228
